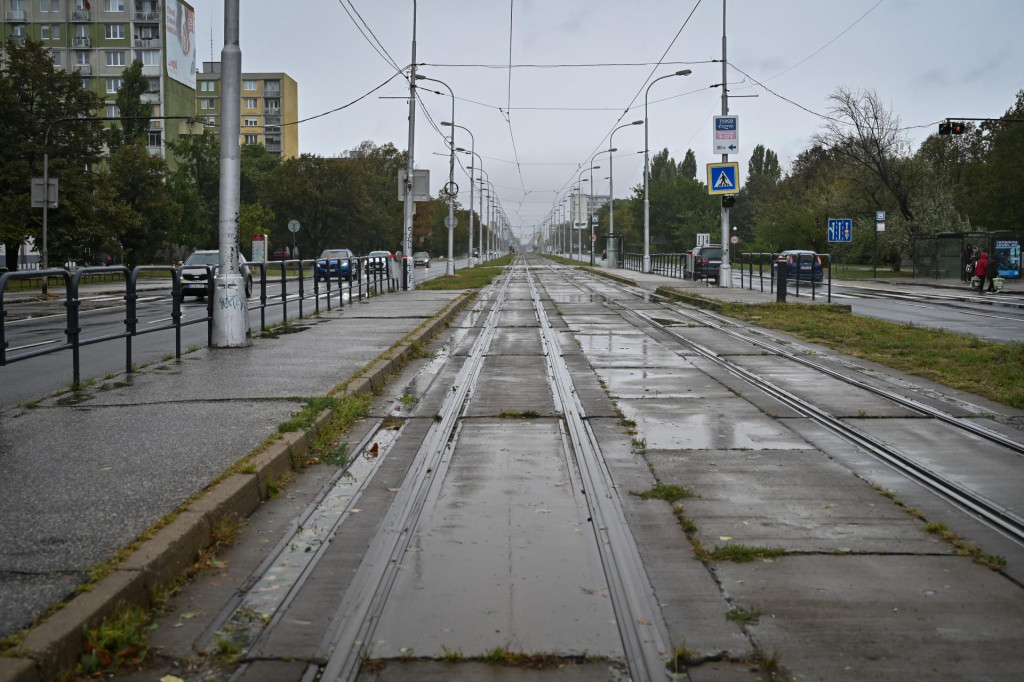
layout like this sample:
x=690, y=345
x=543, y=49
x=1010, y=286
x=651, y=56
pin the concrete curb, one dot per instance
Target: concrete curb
x=675, y=295
x=55, y=645
x=617, y=278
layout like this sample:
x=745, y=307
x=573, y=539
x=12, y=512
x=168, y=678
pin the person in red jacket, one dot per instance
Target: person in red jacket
x=984, y=270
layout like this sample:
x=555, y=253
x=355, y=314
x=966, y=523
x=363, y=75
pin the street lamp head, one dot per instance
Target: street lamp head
x=420, y=77
x=684, y=72
x=446, y=123
x=459, y=149
x=613, y=149
x=637, y=123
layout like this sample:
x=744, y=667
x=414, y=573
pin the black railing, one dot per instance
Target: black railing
x=361, y=277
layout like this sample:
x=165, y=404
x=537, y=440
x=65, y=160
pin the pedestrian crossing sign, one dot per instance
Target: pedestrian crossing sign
x=723, y=178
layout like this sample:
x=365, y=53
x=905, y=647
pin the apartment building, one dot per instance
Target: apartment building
x=99, y=38
x=268, y=101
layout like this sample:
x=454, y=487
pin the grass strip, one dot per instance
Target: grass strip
x=467, y=278
x=991, y=370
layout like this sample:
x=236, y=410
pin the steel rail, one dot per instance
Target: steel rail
x=352, y=628
x=637, y=613
x=990, y=512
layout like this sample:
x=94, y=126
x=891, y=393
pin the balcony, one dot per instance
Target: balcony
x=146, y=16
x=17, y=40
x=151, y=70
x=16, y=15
x=80, y=15
x=147, y=42
x=150, y=98
x=83, y=69
x=82, y=41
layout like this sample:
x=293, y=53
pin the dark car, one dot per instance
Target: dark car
x=334, y=263
x=802, y=264
x=194, y=281
x=706, y=261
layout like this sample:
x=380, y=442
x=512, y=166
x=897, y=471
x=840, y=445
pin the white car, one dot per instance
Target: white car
x=193, y=273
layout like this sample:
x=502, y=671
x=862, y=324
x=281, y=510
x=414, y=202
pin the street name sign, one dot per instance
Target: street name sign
x=840, y=229
x=723, y=178
x=727, y=135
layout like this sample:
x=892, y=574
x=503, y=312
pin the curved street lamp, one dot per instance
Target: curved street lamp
x=613, y=261
x=646, y=266
x=450, y=266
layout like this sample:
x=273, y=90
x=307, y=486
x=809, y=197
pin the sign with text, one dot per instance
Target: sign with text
x=727, y=135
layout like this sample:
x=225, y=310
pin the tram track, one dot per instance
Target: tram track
x=990, y=512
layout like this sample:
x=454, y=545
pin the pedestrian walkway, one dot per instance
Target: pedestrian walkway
x=87, y=473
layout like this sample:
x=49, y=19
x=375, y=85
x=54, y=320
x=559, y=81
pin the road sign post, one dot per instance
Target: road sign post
x=840, y=229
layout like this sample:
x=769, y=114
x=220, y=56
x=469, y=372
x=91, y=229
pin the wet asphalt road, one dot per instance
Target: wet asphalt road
x=492, y=522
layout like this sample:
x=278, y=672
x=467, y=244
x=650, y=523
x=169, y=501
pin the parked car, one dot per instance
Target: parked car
x=194, y=281
x=421, y=258
x=706, y=261
x=377, y=262
x=280, y=254
x=336, y=263
x=802, y=264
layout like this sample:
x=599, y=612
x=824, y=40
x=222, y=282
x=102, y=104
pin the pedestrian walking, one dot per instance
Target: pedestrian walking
x=984, y=270
x=966, y=265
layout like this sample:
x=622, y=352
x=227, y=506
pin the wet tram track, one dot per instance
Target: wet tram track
x=261, y=605
x=997, y=446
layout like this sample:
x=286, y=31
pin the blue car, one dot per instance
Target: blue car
x=335, y=263
x=802, y=264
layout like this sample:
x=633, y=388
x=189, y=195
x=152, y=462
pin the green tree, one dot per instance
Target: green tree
x=688, y=166
x=195, y=187
x=34, y=96
x=136, y=202
x=994, y=188
x=135, y=114
x=257, y=162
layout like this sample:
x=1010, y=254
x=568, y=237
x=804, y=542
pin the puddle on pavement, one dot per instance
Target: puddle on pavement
x=258, y=606
x=73, y=399
x=111, y=385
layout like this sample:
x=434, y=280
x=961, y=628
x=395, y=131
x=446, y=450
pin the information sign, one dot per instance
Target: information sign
x=840, y=229
x=727, y=135
x=723, y=178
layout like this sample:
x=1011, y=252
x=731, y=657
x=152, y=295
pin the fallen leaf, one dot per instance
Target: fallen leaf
x=724, y=538
x=393, y=490
x=542, y=511
x=171, y=678
x=374, y=449
x=355, y=511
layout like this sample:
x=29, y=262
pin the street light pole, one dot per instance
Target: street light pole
x=450, y=189
x=613, y=256
x=646, y=265
x=472, y=184
x=590, y=213
x=410, y=270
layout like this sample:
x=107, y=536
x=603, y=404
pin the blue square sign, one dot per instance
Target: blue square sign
x=840, y=229
x=723, y=178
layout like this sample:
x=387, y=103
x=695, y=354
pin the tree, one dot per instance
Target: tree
x=195, y=187
x=135, y=114
x=688, y=166
x=866, y=133
x=137, y=203
x=994, y=188
x=34, y=96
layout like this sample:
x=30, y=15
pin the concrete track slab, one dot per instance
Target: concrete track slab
x=561, y=670
x=518, y=318
x=684, y=381
x=798, y=500
x=832, y=395
x=501, y=552
x=594, y=398
x=512, y=384
x=707, y=424
x=612, y=349
x=715, y=341
x=916, y=618
x=524, y=341
x=993, y=471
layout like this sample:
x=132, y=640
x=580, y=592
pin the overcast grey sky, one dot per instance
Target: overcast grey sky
x=534, y=126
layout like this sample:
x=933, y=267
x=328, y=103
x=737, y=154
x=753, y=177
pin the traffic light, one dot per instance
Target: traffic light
x=945, y=128
x=958, y=127
x=728, y=201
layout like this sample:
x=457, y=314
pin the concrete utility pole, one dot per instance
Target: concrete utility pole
x=725, y=269
x=409, y=267
x=230, y=310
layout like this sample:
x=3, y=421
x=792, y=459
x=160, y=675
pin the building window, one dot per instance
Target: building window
x=113, y=5
x=81, y=30
x=208, y=86
x=273, y=105
x=81, y=57
x=86, y=83
x=114, y=31
x=115, y=58
x=148, y=32
x=250, y=85
x=252, y=139
x=148, y=57
x=18, y=31
x=44, y=32
x=113, y=85
x=113, y=111
x=153, y=138
x=56, y=57
x=207, y=104
x=250, y=102
x=154, y=86
x=272, y=86
x=49, y=5
x=249, y=123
